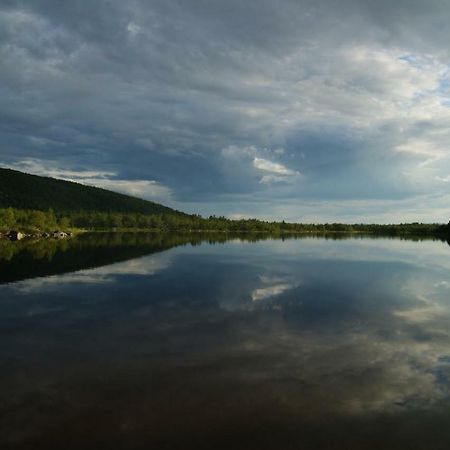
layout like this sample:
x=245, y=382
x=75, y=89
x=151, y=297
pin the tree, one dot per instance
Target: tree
x=64, y=223
x=39, y=220
x=7, y=218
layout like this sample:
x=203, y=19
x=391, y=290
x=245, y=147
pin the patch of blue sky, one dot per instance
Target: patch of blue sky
x=410, y=59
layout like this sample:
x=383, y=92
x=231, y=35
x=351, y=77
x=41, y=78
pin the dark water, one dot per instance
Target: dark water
x=160, y=342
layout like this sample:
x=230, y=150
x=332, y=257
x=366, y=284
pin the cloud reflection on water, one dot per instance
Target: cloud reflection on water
x=145, y=266
x=273, y=287
x=275, y=335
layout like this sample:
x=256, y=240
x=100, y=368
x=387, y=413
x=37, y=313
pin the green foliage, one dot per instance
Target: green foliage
x=35, y=220
x=7, y=219
x=31, y=220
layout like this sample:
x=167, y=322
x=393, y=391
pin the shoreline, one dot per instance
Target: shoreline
x=66, y=234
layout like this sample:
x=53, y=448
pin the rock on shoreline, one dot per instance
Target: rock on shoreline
x=15, y=235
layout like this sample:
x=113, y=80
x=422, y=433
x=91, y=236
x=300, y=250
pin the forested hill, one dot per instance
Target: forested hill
x=34, y=204
x=24, y=191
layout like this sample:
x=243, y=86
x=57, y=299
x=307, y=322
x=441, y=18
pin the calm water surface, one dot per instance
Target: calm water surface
x=168, y=342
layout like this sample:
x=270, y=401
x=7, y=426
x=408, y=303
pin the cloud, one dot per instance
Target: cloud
x=147, y=189
x=227, y=106
x=276, y=172
x=37, y=167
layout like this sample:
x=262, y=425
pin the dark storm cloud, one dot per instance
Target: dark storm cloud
x=230, y=106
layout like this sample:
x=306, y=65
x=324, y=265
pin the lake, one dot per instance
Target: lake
x=203, y=342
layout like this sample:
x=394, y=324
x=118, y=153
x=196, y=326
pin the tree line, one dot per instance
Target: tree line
x=31, y=220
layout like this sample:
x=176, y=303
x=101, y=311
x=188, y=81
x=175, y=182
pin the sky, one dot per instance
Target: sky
x=313, y=111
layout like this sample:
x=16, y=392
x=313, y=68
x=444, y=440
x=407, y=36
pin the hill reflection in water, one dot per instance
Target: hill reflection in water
x=273, y=344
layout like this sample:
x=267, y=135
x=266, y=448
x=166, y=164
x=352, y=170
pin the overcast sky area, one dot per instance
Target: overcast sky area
x=314, y=111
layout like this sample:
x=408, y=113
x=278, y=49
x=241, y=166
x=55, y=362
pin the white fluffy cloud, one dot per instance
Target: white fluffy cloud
x=147, y=189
